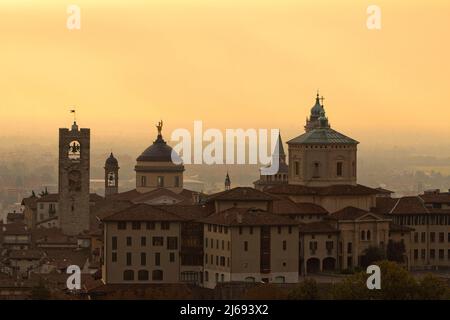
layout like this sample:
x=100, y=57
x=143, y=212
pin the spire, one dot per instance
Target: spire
x=227, y=182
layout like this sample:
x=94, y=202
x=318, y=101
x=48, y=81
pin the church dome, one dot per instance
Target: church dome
x=111, y=161
x=317, y=108
x=159, y=151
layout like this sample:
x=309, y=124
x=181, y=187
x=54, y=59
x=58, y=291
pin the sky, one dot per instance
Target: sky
x=231, y=64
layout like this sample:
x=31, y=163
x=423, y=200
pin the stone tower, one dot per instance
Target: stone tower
x=111, y=176
x=73, y=179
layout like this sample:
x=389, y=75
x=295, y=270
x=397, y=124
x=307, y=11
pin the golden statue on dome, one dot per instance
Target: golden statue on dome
x=159, y=127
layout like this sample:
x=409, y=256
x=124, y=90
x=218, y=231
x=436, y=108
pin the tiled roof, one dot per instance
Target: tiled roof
x=322, y=136
x=436, y=198
x=317, y=227
x=142, y=212
x=247, y=217
x=338, y=189
x=384, y=205
x=349, y=213
x=159, y=192
x=289, y=207
x=384, y=191
x=409, y=205
x=185, y=196
x=241, y=193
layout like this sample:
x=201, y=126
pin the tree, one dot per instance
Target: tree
x=432, y=288
x=371, y=255
x=396, y=284
x=307, y=290
x=40, y=292
x=396, y=251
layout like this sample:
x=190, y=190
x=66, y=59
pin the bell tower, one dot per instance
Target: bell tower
x=73, y=179
x=111, y=176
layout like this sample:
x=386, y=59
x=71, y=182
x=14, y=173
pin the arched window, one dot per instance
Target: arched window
x=339, y=171
x=128, y=275
x=74, y=150
x=368, y=234
x=157, y=275
x=142, y=275
x=363, y=235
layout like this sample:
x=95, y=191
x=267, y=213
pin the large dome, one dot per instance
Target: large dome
x=159, y=151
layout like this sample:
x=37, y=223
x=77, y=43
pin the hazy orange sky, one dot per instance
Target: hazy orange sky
x=248, y=64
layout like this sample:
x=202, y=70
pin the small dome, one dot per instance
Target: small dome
x=159, y=151
x=111, y=161
x=317, y=108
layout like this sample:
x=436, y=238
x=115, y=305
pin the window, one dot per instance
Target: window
x=217, y=277
x=368, y=234
x=206, y=276
x=143, y=241
x=143, y=181
x=129, y=259
x=223, y=244
x=165, y=225
x=122, y=225
x=284, y=245
x=136, y=225
x=422, y=237
x=349, y=248
x=354, y=168
x=422, y=254
x=251, y=230
x=416, y=254
x=160, y=181
x=316, y=170
x=114, y=243
x=74, y=150
x=143, y=259
x=177, y=181
x=143, y=275
x=441, y=254
x=114, y=257
x=172, y=243
x=245, y=245
x=129, y=241
x=158, y=241
x=157, y=259
x=329, y=246
x=279, y=230
x=217, y=260
x=363, y=235
x=172, y=257
x=416, y=237
x=297, y=168
x=339, y=169
x=432, y=236
x=111, y=179
x=222, y=277
x=432, y=254
x=206, y=242
x=222, y=261
x=441, y=237
x=313, y=247
x=128, y=275
x=150, y=225
x=157, y=275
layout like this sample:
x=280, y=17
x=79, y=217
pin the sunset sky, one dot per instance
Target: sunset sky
x=232, y=64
